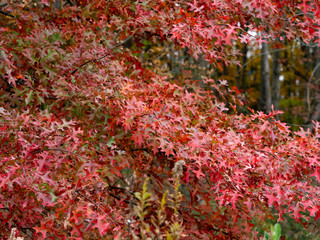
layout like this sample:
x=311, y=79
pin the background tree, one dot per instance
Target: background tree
x=265, y=89
x=276, y=68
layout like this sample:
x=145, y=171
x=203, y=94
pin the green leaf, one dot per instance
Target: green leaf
x=111, y=141
x=138, y=195
x=54, y=37
x=73, y=80
x=146, y=195
x=40, y=99
x=276, y=232
x=50, y=55
x=176, y=92
x=54, y=198
x=29, y=97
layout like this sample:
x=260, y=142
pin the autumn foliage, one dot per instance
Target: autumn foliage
x=96, y=146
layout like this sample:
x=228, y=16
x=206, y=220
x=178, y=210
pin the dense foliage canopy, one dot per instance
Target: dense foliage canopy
x=94, y=145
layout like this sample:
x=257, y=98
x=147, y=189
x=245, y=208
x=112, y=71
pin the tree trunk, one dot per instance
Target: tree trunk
x=276, y=79
x=265, y=90
x=244, y=65
x=314, y=83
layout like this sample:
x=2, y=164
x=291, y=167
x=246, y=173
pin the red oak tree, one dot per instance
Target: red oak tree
x=96, y=146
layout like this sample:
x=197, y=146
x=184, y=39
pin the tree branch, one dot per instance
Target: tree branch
x=6, y=14
x=98, y=207
x=98, y=59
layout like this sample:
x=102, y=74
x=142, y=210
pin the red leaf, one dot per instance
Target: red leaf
x=102, y=225
x=138, y=138
x=199, y=173
x=272, y=199
x=42, y=229
x=316, y=174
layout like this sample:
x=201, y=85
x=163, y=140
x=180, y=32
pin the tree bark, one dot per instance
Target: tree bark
x=314, y=84
x=265, y=90
x=276, y=79
x=244, y=65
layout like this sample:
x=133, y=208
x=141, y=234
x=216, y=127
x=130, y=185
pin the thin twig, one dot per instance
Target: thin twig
x=119, y=198
x=98, y=207
x=3, y=5
x=69, y=2
x=6, y=14
x=104, y=56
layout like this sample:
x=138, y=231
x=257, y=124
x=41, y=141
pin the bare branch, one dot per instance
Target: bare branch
x=6, y=14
